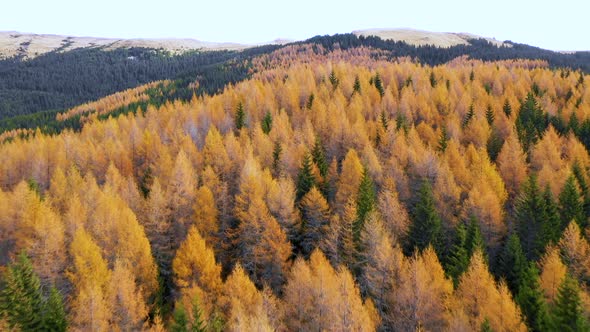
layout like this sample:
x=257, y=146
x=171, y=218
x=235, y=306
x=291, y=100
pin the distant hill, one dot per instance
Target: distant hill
x=51, y=74
x=30, y=45
x=423, y=38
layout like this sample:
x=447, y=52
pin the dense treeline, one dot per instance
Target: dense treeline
x=60, y=80
x=333, y=190
x=57, y=81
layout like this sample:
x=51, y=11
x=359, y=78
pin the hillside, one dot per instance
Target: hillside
x=342, y=184
x=423, y=38
x=28, y=46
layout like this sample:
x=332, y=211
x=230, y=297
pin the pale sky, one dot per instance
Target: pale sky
x=556, y=25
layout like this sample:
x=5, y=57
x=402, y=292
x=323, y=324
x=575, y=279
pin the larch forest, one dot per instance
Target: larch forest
x=327, y=185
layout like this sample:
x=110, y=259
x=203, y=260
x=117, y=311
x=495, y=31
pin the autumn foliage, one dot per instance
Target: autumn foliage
x=353, y=193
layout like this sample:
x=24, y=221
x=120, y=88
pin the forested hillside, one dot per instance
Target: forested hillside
x=33, y=91
x=336, y=189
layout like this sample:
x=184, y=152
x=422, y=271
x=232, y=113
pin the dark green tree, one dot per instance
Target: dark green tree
x=507, y=108
x=474, y=238
x=567, y=313
x=571, y=205
x=379, y=84
x=334, y=80
x=552, y=227
x=198, y=324
x=318, y=155
x=472, y=76
x=468, y=116
x=494, y=144
x=425, y=226
x=512, y=263
x=531, y=299
x=240, y=117
x=305, y=178
x=384, y=121
x=458, y=257
x=485, y=326
x=366, y=201
x=55, y=314
x=21, y=300
x=266, y=123
x=490, y=117
x=357, y=86
x=179, y=319
x=432, y=79
x=584, y=190
x=530, y=123
x=531, y=218
x=443, y=140
x=276, y=158
x=309, y=104
x=574, y=123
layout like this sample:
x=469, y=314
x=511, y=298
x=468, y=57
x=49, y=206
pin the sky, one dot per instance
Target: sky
x=556, y=25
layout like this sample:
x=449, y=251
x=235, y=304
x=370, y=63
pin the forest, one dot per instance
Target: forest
x=333, y=189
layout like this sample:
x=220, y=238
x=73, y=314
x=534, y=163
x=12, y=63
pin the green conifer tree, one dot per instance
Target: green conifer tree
x=512, y=263
x=570, y=204
x=468, y=116
x=198, y=324
x=425, y=228
x=567, y=313
x=552, y=227
x=458, y=257
x=507, y=108
x=490, y=117
x=531, y=218
x=305, y=178
x=379, y=85
x=240, y=118
x=318, y=155
x=276, y=158
x=443, y=140
x=531, y=299
x=266, y=123
x=179, y=320
x=21, y=300
x=366, y=201
x=357, y=85
x=55, y=319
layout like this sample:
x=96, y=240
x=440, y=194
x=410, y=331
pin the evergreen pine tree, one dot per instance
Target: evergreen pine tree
x=305, y=178
x=574, y=123
x=458, y=257
x=530, y=123
x=357, y=85
x=567, y=313
x=512, y=263
x=21, y=301
x=507, y=108
x=443, y=141
x=485, y=326
x=366, y=201
x=531, y=300
x=584, y=190
x=334, y=80
x=180, y=319
x=570, y=204
x=198, y=324
x=309, y=104
x=468, y=116
x=432, y=79
x=276, y=158
x=379, y=85
x=472, y=75
x=384, y=121
x=494, y=144
x=552, y=227
x=474, y=238
x=267, y=123
x=531, y=218
x=319, y=157
x=240, y=118
x=425, y=228
x=490, y=117
x=54, y=318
